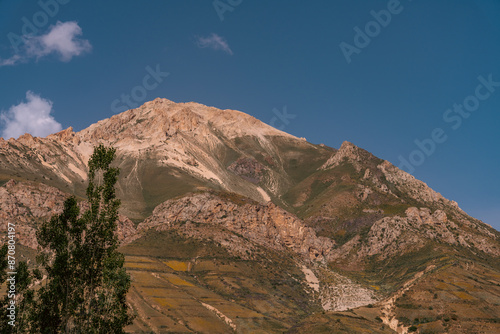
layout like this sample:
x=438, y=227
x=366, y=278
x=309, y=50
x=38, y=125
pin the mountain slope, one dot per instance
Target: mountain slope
x=166, y=149
x=236, y=226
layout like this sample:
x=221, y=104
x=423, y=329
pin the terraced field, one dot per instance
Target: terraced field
x=203, y=289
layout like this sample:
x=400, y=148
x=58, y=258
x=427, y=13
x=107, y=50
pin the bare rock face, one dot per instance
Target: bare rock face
x=248, y=168
x=391, y=236
x=347, y=152
x=27, y=139
x=415, y=189
x=183, y=121
x=341, y=293
x=161, y=119
x=27, y=205
x=66, y=135
x=267, y=225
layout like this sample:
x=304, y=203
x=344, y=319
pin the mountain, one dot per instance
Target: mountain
x=167, y=149
x=230, y=225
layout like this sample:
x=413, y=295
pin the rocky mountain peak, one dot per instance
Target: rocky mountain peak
x=26, y=139
x=64, y=135
x=348, y=152
x=161, y=119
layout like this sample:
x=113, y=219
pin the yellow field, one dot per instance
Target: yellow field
x=463, y=295
x=130, y=258
x=176, y=280
x=178, y=265
x=145, y=265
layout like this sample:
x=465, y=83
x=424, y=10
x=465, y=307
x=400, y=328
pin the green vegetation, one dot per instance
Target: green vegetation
x=235, y=198
x=86, y=284
x=394, y=209
x=390, y=274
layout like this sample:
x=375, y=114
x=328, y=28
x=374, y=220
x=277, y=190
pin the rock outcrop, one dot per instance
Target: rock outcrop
x=27, y=205
x=395, y=236
x=265, y=224
x=348, y=152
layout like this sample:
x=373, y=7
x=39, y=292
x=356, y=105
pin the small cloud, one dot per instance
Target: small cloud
x=62, y=39
x=11, y=61
x=33, y=117
x=214, y=42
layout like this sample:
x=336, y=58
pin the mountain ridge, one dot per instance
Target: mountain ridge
x=263, y=227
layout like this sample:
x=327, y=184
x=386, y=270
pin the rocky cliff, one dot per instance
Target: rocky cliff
x=265, y=224
x=28, y=204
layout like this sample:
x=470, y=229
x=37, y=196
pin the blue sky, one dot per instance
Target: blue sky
x=383, y=89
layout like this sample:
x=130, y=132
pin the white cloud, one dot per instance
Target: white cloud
x=10, y=61
x=62, y=39
x=214, y=42
x=32, y=117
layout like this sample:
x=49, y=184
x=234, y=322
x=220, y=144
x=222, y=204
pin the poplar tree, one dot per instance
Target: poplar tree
x=23, y=307
x=86, y=286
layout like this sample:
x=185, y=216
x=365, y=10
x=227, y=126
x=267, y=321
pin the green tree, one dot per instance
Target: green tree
x=23, y=300
x=86, y=286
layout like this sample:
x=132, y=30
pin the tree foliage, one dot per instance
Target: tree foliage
x=86, y=284
x=24, y=302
